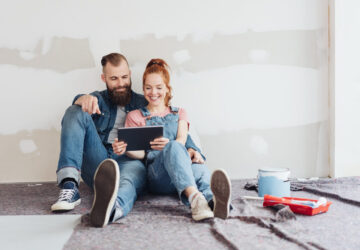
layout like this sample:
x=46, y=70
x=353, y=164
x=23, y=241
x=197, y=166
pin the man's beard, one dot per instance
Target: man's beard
x=118, y=98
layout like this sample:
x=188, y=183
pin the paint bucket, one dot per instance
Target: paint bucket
x=274, y=181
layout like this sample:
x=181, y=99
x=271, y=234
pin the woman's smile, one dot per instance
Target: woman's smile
x=155, y=89
x=154, y=98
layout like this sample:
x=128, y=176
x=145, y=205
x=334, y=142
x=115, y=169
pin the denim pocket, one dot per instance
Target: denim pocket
x=102, y=121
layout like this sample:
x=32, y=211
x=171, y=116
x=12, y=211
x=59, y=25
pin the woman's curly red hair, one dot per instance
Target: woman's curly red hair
x=159, y=66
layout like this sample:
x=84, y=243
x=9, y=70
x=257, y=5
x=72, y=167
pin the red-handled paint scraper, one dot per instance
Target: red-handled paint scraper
x=297, y=205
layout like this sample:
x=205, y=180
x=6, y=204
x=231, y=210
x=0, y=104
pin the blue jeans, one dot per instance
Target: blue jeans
x=82, y=151
x=172, y=172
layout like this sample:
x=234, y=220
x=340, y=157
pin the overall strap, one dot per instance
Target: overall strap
x=145, y=112
x=174, y=109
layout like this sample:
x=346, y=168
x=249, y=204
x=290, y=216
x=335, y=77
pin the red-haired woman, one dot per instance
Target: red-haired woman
x=170, y=167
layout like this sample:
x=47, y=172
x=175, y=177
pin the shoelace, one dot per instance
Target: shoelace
x=198, y=203
x=66, y=194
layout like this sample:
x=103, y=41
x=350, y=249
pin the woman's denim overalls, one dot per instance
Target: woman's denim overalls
x=171, y=170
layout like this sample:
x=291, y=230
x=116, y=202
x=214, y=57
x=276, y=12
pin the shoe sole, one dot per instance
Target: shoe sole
x=106, y=184
x=65, y=206
x=221, y=187
x=203, y=216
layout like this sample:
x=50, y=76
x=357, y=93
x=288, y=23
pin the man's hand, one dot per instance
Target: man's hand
x=159, y=143
x=88, y=104
x=119, y=147
x=195, y=156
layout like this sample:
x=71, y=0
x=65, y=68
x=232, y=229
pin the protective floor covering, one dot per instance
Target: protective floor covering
x=162, y=222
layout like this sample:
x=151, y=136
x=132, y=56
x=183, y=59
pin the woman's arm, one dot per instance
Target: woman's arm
x=138, y=154
x=182, y=131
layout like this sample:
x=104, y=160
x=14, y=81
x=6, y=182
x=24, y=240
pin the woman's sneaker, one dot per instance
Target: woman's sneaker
x=200, y=209
x=69, y=197
x=221, y=187
x=106, y=185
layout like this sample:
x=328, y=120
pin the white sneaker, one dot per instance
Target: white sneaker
x=221, y=187
x=200, y=208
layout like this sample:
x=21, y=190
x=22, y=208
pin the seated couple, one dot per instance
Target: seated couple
x=90, y=149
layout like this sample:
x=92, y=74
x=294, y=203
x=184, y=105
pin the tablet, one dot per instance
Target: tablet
x=139, y=138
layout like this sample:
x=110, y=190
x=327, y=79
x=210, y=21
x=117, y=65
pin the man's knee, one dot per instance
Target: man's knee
x=75, y=113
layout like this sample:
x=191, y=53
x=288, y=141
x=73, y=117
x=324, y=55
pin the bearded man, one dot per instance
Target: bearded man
x=89, y=127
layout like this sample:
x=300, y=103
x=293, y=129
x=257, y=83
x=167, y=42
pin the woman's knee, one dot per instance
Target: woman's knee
x=174, y=146
x=200, y=171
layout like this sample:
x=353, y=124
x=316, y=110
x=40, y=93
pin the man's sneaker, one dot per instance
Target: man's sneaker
x=221, y=188
x=106, y=184
x=200, y=209
x=69, y=197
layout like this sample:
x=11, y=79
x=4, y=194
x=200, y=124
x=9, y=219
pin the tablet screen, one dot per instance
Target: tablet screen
x=139, y=138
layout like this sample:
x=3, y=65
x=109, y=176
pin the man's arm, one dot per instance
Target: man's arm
x=88, y=103
x=77, y=97
x=194, y=151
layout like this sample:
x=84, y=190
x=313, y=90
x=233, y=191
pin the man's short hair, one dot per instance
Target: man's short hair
x=114, y=59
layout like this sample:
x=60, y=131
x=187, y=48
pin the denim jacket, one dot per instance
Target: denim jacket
x=106, y=120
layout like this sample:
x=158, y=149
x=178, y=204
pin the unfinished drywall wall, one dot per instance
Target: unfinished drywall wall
x=346, y=88
x=252, y=75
